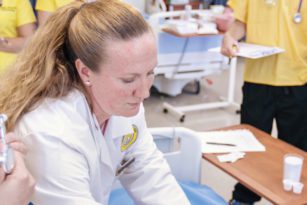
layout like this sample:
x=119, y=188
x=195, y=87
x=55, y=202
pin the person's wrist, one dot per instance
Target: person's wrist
x=228, y=37
x=3, y=40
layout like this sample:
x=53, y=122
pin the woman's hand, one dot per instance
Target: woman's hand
x=230, y=46
x=16, y=144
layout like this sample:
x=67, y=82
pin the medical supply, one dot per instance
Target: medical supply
x=187, y=12
x=217, y=9
x=293, y=164
x=182, y=26
x=297, y=17
x=6, y=154
x=207, y=28
x=287, y=184
x=298, y=187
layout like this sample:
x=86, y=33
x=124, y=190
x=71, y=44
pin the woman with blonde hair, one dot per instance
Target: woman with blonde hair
x=75, y=97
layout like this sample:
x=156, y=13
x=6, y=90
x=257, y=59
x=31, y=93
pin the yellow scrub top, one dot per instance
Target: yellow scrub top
x=50, y=5
x=13, y=13
x=273, y=25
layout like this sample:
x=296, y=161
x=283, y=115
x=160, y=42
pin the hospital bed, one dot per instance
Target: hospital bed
x=176, y=69
x=182, y=150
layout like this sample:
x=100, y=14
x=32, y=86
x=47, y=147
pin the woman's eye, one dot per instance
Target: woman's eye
x=130, y=80
x=150, y=73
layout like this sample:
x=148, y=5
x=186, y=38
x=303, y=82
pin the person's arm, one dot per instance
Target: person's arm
x=42, y=17
x=225, y=20
x=149, y=179
x=14, y=45
x=61, y=169
x=17, y=187
x=231, y=37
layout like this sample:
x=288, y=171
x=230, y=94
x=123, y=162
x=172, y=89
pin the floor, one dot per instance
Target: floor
x=202, y=121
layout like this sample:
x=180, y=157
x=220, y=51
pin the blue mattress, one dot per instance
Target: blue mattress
x=197, y=194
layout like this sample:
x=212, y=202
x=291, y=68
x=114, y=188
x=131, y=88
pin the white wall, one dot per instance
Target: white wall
x=139, y=4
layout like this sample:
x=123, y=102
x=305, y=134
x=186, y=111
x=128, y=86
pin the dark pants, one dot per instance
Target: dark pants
x=287, y=105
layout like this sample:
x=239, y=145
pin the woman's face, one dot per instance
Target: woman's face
x=124, y=80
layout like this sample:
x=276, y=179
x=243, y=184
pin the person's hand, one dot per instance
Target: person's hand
x=230, y=46
x=17, y=187
x=16, y=144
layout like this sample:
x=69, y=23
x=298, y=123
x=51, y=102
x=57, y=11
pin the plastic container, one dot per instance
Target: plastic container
x=293, y=164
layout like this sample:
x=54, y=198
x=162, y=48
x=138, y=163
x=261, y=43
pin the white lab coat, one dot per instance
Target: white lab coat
x=74, y=163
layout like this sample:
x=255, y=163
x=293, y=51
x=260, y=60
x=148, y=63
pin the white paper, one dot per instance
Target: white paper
x=231, y=157
x=243, y=139
x=191, y=27
x=181, y=26
x=253, y=51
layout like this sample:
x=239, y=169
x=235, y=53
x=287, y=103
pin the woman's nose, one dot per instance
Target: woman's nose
x=142, y=91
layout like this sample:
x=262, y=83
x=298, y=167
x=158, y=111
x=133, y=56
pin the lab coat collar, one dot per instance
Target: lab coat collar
x=118, y=127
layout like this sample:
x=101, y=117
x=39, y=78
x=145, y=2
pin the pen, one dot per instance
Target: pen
x=123, y=165
x=234, y=48
x=218, y=143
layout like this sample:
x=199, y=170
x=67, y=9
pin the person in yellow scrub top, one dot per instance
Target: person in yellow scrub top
x=275, y=86
x=46, y=7
x=17, y=23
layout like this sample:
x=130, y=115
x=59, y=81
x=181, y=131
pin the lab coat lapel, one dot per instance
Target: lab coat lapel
x=105, y=157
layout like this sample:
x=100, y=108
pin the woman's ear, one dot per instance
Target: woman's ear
x=83, y=71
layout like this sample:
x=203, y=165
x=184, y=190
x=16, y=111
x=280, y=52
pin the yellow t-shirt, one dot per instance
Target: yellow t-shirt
x=50, y=5
x=271, y=25
x=13, y=13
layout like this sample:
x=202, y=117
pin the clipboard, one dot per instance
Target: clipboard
x=253, y=51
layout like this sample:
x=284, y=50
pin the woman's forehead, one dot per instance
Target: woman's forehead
x=125, y=52
x=130, y=46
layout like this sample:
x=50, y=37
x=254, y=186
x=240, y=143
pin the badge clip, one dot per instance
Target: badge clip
x=123, y=165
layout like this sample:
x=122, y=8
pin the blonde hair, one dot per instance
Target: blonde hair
x=45, y=68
